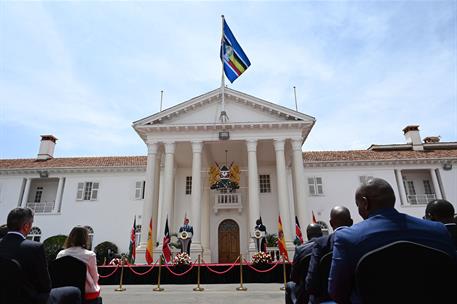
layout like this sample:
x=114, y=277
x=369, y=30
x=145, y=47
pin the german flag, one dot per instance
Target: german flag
x=232, y=55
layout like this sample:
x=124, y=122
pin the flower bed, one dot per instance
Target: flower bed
x=182, y=258
x=261, y=258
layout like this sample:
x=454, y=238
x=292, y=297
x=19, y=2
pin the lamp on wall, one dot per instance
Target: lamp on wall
x=447, y=166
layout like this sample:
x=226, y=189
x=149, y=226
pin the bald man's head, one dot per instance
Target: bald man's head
x=374, y=194
x=440, y=210
x=340, y=216
x=313, y=231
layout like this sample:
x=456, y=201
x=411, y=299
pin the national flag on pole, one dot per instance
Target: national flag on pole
x=166, y=240
x=232, y=55
x=298, y=231
x=132, y=246
x=149, y=254
x=281, y=240
x=314, y=218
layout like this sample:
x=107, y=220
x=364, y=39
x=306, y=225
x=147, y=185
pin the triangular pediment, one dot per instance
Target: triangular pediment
x=241, y=108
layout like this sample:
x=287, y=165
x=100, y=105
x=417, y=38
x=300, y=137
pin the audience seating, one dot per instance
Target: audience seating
x=11, y=280
x=406, y=272
x=324, y=271
x=69, y=271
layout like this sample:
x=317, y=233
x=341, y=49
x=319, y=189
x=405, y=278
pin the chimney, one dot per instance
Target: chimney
x=47, y=145
x=413, y=137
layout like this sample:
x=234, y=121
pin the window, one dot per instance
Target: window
x=91, y=236
x=87, y=191
x=188, y=185
x=315, y=186
x=427, y=187
x=139, y=190
x=364, y=178
x=264, y=183
x=38, y=194
x=410, y=188
x=34, y=234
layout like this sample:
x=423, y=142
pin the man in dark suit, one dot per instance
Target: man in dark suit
x=188, y=228
x=30, y=255
x=295, y=288
x=382, y=225
x=340, y=217
x=441, y=210
x=261, y=227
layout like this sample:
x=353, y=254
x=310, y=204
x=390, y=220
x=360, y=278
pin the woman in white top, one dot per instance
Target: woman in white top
x=75, y=246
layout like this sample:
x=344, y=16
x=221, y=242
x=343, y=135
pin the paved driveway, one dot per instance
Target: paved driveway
x=181, y=294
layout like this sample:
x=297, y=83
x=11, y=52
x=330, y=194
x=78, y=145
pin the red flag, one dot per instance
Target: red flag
x=149, y=253
x=314, y=218
x=132, y=247
x=281, y=240
x=166, y=240
x=298, y=230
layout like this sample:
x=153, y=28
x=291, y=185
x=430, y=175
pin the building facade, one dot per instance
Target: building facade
x=255, y=143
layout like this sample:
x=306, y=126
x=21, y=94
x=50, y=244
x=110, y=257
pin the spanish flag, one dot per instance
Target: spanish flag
x=281, y=240
x=149, y=254
x=232, y=55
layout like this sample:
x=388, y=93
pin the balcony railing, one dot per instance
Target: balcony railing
x=227, y=201
x=41, y=207
x=420, y=199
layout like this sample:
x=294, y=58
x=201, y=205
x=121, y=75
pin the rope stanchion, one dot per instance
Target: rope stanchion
x=241, y=288
x=221, y=272
x=158, y=288
x=121, y=288
x=262, y=271
x=180, y=274
x=144, y=273
x=198, y=288
x=284, y=273
x=108, y=275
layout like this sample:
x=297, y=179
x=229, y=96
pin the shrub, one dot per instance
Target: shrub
x=53, y=245
x=105, y=251
x=272, y=240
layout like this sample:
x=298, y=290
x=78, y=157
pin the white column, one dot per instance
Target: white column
x=253, y=179
x=401, y=188
x=168, y=183
x=149, y=210
x=302, y=208
x=25, y=195
x=58, y=200
x=436, y=185
x=205, y=216
x=196, y=194
x=283, y=195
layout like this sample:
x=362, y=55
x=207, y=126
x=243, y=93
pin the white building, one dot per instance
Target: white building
x=262, y=139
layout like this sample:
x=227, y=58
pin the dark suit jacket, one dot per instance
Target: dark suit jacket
x=452, y=228
x=299, y=269
x=187, y=228
x=323, y=245
x=382, y=227
x=30, y=255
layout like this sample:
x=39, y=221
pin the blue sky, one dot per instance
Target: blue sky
x=84, y=71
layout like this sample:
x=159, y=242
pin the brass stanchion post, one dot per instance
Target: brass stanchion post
x=158, y=288
x=241, y=288
x=284, y=273
x=198, y=288
x=121, y=288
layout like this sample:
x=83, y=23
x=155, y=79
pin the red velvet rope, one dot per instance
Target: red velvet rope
x=180, y=274
x=108, y=275
x=220, y=272
x=141, y=274
x=261, y=271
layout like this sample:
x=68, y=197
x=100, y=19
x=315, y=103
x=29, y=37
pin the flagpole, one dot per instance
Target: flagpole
x=222, y=118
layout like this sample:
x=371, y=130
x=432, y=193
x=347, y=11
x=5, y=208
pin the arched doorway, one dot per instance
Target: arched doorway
x=229, y=241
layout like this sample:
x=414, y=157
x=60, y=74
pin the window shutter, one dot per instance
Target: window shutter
x=138, y=190
x=94, y=195
x=79, y=193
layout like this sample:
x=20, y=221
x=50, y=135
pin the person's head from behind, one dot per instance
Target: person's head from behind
x=313, y=231
x=372, y=195
x=440, y=210
x=20, y=220
x=79, y=237
x=340, y=216
x=258, y=222
x=3, y=230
